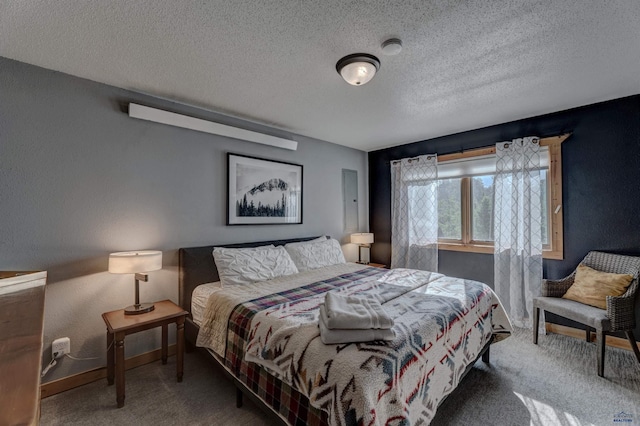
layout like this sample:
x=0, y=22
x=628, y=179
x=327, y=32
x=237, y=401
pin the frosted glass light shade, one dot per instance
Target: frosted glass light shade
x=358, y=73
x=133, y=262
x=362, y=238
x=358, y=69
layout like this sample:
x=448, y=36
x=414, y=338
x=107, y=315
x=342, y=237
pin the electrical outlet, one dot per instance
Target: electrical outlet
x=60, y=346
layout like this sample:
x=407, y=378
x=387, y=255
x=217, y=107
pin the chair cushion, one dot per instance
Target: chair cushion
x=585, y=314
x=592, y=287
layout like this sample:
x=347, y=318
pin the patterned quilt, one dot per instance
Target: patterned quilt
x=441, y=324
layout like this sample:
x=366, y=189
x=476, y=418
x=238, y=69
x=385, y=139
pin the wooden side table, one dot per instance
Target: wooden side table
x=119, y=325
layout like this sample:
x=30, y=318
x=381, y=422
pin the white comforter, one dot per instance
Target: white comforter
x=441, y=324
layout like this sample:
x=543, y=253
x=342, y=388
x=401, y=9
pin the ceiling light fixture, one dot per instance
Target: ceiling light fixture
x=358, y=69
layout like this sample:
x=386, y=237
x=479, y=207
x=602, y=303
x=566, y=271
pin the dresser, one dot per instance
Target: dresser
x=21, y=323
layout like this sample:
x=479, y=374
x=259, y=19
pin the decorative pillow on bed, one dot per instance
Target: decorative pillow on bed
x=238, y=266
x=315, y=240
x=592, y=287
x=315, y=254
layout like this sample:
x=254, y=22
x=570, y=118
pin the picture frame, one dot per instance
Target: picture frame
x=262, y=191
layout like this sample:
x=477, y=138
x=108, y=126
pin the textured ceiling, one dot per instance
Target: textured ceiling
x=464, y=65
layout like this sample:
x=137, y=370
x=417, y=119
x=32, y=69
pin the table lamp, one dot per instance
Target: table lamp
x=137, y=263
x=363, y=239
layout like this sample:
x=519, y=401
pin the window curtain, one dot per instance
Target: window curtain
x=517, y=227
x=414, y=213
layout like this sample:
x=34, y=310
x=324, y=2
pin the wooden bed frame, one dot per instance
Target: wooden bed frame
x=196, y=267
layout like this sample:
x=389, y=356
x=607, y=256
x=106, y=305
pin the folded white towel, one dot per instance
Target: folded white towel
x=331, y=337
x=354, y=312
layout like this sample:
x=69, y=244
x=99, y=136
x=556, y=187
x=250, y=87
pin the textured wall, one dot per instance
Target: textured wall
x=601, y=195
x=80, y=179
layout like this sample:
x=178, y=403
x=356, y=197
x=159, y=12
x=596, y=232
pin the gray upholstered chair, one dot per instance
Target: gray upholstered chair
x=619, y=315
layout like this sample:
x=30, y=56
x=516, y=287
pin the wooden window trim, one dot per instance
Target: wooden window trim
x=555, y=201
x=556, y=249
x=489, y=150
x=465, y=193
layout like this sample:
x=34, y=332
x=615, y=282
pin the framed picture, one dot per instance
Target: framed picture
x=263, y=192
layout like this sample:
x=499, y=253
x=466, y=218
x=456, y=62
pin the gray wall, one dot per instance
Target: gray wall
x=80, y=179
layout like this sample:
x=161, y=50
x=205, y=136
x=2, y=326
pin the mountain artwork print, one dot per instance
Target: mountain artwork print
x=263, y=191
x=266, y=199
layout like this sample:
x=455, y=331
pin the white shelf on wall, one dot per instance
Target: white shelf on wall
x=179, y=120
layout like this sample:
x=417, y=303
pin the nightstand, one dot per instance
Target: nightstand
x=377, y=265
x=120, y=325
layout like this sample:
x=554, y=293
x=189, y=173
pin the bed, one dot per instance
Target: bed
x=442, y=325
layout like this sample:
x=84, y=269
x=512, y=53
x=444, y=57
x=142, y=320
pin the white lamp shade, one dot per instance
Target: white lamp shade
x=358, y=73
x=362, y=238
x=133, y=262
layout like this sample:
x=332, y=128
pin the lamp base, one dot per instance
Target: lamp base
x=364, y=259
x=139, y=309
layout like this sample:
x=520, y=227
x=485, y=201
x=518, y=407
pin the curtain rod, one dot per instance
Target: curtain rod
x=488, y=150
x=429, y=156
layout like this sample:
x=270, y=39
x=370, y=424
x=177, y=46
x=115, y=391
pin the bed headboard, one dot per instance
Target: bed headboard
x=196, y=266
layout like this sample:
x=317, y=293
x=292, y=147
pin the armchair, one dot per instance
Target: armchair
x=619, y=315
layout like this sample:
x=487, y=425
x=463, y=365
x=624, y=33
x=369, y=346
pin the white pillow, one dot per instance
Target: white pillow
x=315, y=240
x=238, y=266
x=315, y=254
x=245, y=249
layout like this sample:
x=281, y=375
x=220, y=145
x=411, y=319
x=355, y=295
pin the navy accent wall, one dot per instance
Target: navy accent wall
x=600, y=186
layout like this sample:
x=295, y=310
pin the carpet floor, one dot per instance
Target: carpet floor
x=553, y=383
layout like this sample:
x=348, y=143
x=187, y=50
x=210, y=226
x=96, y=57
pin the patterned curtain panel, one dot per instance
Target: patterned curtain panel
x=518, y=228
x=414, y=213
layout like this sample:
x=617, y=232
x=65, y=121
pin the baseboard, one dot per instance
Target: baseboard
x=70, y=382
x=613, y=341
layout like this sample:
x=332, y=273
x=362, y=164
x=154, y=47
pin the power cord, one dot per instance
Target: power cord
x=57, y=355
x=81, y=359
x=48, y=367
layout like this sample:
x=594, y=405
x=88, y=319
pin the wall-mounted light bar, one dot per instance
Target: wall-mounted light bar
x=178, y=120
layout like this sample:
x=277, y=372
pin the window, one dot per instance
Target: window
x=450, y=209
x=465, y=199
x=481, y=208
